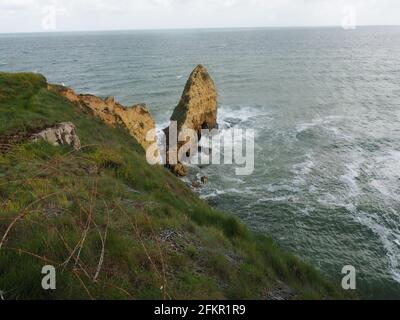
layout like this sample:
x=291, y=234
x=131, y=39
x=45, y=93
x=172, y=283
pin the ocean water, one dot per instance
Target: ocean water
x=325, y=105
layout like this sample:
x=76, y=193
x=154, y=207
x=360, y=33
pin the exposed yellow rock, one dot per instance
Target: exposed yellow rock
x=197, y=108
x=179, y=170
x=136, y=119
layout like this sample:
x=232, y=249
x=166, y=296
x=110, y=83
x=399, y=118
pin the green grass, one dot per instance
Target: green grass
x=115, y=227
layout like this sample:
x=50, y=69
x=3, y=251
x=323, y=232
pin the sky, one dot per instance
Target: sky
x=83, y=15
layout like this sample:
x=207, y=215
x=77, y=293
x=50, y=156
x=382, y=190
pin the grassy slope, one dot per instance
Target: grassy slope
x=104, y=210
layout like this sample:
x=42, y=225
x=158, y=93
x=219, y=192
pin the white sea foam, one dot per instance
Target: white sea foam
x=387, y=174
x=328, y=123
x=349, y=178
x=330, y=200
x=390, y=240
x=303, y=169
x=242, y=114
x=280, y=199
x=216, y=193
x=314, y=123
x=233, y=179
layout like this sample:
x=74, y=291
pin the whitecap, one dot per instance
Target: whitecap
x=349, y=178
x=331, y=201
x=244, y=113
x=390, y=240
x=232, y=179
x=387, y=174
x=216, y=193
x=323, y=122
x=280, y=199
x=303, y=169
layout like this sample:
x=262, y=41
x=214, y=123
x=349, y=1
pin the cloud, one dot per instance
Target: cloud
x=16, y=5
x=26, y=15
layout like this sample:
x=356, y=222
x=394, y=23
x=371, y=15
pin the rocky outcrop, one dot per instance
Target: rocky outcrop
x=136, y=119
x=196, y=110
x=179, y=170
x=204, y=179
x=60, y=134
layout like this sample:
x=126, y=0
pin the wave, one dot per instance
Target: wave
x=328, y=123
x=390, y=240
x=216, y=193
x=242, y=114
x=350, y=178
x=303, y=169
x=387, y=175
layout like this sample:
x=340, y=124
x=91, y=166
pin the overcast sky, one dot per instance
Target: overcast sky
x=73, y=15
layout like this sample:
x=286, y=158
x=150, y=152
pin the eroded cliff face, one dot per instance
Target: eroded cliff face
x=136, y=119
x=196, y=110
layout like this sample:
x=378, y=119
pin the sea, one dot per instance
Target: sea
x=324, y=104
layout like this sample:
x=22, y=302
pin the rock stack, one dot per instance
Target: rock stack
x=196, y=110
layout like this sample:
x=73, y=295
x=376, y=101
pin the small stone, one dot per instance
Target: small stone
x=195, y=184
x=204, y=179
x=180, y=170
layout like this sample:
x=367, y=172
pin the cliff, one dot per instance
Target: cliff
x=136, y=119
x=113, y=226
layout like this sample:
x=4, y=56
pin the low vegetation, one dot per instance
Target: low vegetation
x=115, y=227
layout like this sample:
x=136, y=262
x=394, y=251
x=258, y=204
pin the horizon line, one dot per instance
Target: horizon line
x=192, y=28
